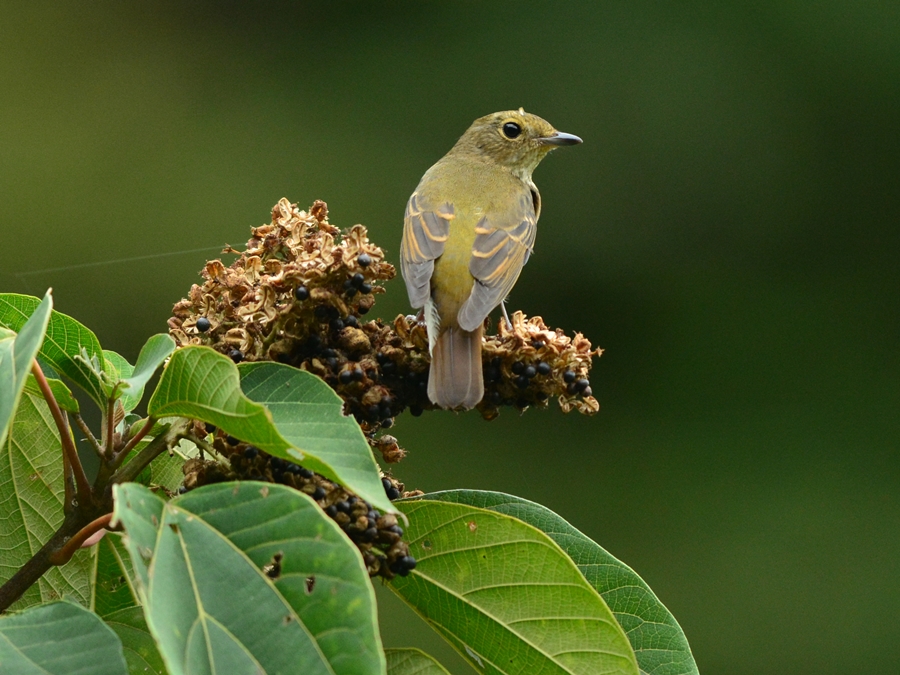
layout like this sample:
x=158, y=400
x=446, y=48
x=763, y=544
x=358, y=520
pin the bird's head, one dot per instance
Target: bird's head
x=513, y=138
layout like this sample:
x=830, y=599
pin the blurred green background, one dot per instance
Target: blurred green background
x=728, y=232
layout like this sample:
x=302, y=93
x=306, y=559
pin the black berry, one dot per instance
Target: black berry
x=364, y=260
x=301, y=293
x=203, y=324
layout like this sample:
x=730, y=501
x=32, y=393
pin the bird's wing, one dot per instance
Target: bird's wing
x=425, y=230
x=502, y=247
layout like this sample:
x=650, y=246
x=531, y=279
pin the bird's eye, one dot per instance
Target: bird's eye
x=511, y=130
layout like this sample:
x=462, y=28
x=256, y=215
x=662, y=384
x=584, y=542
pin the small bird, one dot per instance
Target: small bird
x=469, y=229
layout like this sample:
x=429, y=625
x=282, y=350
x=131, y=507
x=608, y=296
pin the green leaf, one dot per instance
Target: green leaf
x=208, y=598
x=61, y=638
x=61, y=393
x=301, y=421
x=17, y=354
x=506, y=596
x=67, y=346
x=31, y=504
x=310, y=416
x=153, y=353
x=118, y=368
x=141, y=654
x=658, y=641
x=412, y=662
x=113, y=585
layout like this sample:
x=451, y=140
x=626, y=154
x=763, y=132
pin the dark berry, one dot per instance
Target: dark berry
x=415, y=410
x=278, y=464
x=210, y=429
x=337, y=324
x=364, y=259
x=387, y=423
x=203, y=324
x=293, y=468
x=231, y=440
x=365, y=288
x=301, y=293
x=495, y=397
x=250, y=452
x=386, y=482
x=374, y=412
x=319, y=493
x=543, y=368
x=346, y=377
x=370, y=534
x=538, y=344
x=357, y=374
x=305, y=473
x=587, y=392
x=351, y=321
x=236, y=355
x=392, y=494
x=343, y=506
x=331, y=511
x=581, y=385
x=331, y=362
x=182, y=490
x=362, y=309
x=521, y=381
x=569, y=376
x=518, y=368
x=357, y=280
x=396, y=529
x=529, y=372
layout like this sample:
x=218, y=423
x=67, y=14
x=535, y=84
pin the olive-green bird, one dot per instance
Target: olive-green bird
x=469, y=229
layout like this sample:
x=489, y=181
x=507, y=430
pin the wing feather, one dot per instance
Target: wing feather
x=500, y=251
x=425, y=232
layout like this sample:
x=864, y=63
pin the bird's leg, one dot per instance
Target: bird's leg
x=505, y=315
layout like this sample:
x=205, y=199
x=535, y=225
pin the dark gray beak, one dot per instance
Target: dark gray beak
x=559, y=138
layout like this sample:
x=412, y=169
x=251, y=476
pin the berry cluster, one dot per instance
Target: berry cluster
x=378, y=536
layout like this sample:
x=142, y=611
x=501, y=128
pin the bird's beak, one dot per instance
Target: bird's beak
x=559, y=138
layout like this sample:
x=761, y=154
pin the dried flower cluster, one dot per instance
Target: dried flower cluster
x=296, y=295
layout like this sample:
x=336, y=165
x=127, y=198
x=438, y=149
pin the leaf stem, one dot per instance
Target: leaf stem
x=63, y=555
x=151, y=451
x=110, y=426
x=89, y=436
x=68, y=445
x=133, y=441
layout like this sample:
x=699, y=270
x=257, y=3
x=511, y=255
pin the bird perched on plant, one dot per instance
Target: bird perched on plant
x=469, y=229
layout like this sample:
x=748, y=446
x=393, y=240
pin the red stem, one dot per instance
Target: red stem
x=68, y=445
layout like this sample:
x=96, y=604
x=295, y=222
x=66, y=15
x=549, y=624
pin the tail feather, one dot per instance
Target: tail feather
x=455, y=379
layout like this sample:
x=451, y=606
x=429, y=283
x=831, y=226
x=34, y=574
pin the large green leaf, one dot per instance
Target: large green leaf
x=301, y=421
x=309, y=415
x=658, y=641
x=506, y=596
x=17, y=354
x=60, y=391
x=200, y=559
x=61, y=638
x=67, y=347
x=113, y=586
x=141, y=654
x=156, y=350
x=31, y=504
x=412, y=662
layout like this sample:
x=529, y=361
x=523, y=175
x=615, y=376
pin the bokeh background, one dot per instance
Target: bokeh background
x=728, y=232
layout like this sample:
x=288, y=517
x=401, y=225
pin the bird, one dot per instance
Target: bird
x=468, y=230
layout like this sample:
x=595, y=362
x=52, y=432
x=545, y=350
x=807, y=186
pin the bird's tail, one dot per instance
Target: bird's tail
x=456, y=380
